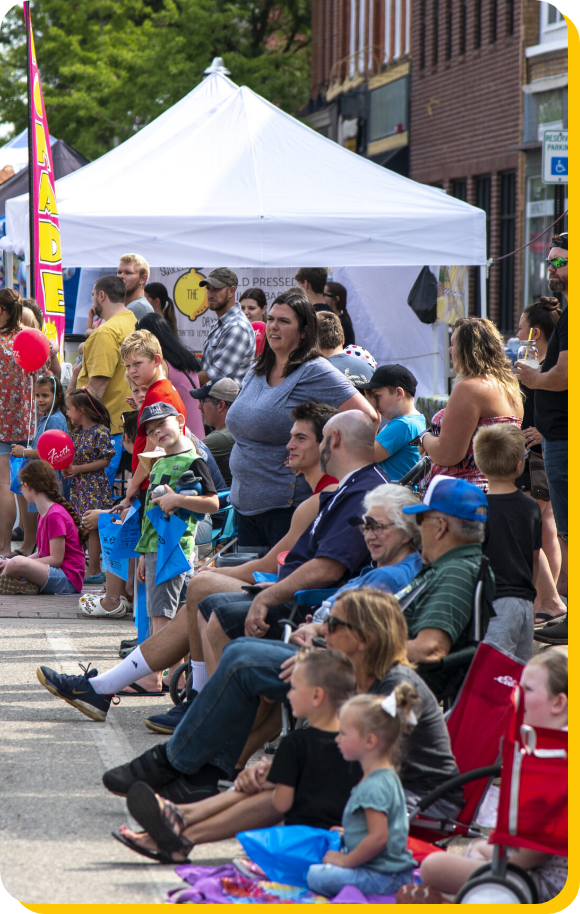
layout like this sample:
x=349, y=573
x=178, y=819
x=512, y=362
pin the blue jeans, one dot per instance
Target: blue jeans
x=111, y=470
x=217, y=724
x=328, y=879
x=556, y=466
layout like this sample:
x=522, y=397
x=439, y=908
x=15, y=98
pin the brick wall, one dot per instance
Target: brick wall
x=466, y=111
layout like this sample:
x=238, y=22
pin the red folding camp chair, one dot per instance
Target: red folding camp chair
x=476, y=723
x=532, y=813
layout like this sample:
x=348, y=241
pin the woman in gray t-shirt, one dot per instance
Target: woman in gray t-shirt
x=289, y=371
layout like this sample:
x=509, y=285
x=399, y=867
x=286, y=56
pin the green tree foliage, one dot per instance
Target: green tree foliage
x=108, y=67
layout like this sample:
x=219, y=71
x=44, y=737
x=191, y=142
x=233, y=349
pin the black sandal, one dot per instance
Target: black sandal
x=159, y=856
x=159, y=818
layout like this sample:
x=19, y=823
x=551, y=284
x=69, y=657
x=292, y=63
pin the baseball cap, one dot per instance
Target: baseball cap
x=222, y=389
x=157, y=411
x=391, y=376
x=452, y=496
x=220, y=278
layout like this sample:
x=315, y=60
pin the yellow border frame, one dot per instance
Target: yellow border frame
x=570, y=892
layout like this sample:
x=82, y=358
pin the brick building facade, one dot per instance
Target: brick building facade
x=487, y=77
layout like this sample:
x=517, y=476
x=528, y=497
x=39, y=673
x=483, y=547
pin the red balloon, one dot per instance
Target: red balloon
x=57, y=448
x=31, y=349
x=260, y=331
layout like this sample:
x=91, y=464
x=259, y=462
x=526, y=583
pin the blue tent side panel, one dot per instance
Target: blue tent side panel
x=71, y=289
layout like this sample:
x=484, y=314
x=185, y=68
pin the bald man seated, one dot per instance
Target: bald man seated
x=327, y=554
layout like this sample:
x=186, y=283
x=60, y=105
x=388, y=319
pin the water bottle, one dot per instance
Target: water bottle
x=189, y=484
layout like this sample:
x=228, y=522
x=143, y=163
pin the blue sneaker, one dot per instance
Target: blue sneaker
x=76, y=691
x=166, y=723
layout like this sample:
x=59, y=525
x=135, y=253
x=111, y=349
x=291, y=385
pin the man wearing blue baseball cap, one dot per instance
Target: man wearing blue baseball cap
x=438, y=603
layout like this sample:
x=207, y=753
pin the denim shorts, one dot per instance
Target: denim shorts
x=57, y=582
x=6, y=447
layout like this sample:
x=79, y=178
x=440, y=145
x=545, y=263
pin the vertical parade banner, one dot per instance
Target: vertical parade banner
x=45, y=252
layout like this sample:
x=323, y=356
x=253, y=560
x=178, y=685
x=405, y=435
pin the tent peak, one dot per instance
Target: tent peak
x=217, y=66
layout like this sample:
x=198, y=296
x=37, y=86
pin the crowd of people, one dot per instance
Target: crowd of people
x=311, y=443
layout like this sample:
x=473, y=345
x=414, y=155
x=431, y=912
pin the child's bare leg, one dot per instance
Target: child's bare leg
x=205, y=809
x=448, y=872
x=28, y=522
x=94, y=552
x=267, y=726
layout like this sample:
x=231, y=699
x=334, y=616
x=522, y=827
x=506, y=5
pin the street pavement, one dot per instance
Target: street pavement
x=56, y=817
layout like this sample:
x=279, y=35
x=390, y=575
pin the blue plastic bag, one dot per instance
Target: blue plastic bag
x=286, y=852
x=171, y=559
x=108, y=534
x=129, y=534
x=16, y=464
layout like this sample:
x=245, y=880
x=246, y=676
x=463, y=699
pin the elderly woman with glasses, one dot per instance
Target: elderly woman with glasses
x=367, y=626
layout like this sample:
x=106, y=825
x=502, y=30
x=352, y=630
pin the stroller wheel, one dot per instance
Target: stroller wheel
x=178, y=694
x=516, y=876
x=491, y=890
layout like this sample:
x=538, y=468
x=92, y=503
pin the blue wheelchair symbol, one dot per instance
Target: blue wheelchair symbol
x=559, y=166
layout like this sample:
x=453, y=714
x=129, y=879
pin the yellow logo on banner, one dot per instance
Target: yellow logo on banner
x=48, y=242
x=189, y=296
x=53, y=293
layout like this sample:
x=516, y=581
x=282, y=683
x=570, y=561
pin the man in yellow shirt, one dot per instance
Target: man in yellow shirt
x=102, y=369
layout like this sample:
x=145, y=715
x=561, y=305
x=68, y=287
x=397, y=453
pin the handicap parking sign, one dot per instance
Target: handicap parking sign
x=559, y=166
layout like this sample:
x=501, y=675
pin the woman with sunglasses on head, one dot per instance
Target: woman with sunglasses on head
x=94, y=450
x=367, y=626
x=289, y=370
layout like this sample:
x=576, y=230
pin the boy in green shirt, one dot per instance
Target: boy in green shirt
x=163, y=425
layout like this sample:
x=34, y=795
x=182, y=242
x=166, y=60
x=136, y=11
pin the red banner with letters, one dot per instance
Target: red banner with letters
x=45, y=250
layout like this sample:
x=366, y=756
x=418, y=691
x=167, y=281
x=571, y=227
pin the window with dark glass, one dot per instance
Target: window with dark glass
x=483, y=201
x=422, y=34
x=463, y=27
x=507, y=244
x=449, y=30
x=389, y=107
x=477, y=24
x=493, y=21
x=435, y=51
x=459, y=189
x=509, y=17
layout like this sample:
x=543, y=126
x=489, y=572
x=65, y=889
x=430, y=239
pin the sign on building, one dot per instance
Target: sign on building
x=555, y=157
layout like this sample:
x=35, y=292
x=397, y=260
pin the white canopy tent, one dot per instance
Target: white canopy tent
x=224, y=177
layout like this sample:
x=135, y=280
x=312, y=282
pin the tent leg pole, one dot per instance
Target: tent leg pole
x=9, y=269
x=435, y=358
x=483, y=289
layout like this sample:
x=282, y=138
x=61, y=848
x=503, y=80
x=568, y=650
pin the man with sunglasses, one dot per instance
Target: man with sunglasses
x=551, y=418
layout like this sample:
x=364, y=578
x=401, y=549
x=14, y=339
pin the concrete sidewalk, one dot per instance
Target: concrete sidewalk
x=56, y=820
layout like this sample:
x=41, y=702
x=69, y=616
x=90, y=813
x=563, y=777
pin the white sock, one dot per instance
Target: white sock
x=200, y=676
x=126, y=672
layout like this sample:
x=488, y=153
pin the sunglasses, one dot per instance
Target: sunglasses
x=366, y=523
x=333, y=622
x=556, y=262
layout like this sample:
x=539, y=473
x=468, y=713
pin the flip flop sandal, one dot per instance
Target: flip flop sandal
x=140, y=692
x=151, y=855
x=158, y=817
x=543, y=618
x=99, y=578
x=91, y=605
x=14, y=585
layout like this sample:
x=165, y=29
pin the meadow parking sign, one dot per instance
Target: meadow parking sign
x=555, y=157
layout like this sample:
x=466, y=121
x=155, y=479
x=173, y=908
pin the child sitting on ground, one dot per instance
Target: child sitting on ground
x=308, y=783
x=374, y=856
x=392, y=392
x=59, y=564
x=545, y=686
x=513, y=538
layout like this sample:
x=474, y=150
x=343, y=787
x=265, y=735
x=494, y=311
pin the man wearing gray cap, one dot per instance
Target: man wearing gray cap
x=215, y=398
x=230, y=348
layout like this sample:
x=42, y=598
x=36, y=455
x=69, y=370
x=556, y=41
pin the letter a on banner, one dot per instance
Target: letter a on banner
x=45, y=251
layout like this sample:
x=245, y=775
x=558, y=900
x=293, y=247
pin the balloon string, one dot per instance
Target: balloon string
x=31, y=407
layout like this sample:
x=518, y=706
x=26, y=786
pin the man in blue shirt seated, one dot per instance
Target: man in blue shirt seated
x=392, y=392
x=328, y=553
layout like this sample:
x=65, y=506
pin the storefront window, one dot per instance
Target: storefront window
x=540, y=213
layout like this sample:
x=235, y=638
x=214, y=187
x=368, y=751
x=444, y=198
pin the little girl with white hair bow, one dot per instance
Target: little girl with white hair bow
x=374, y=855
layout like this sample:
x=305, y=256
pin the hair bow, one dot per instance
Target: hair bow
x=389, y=706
